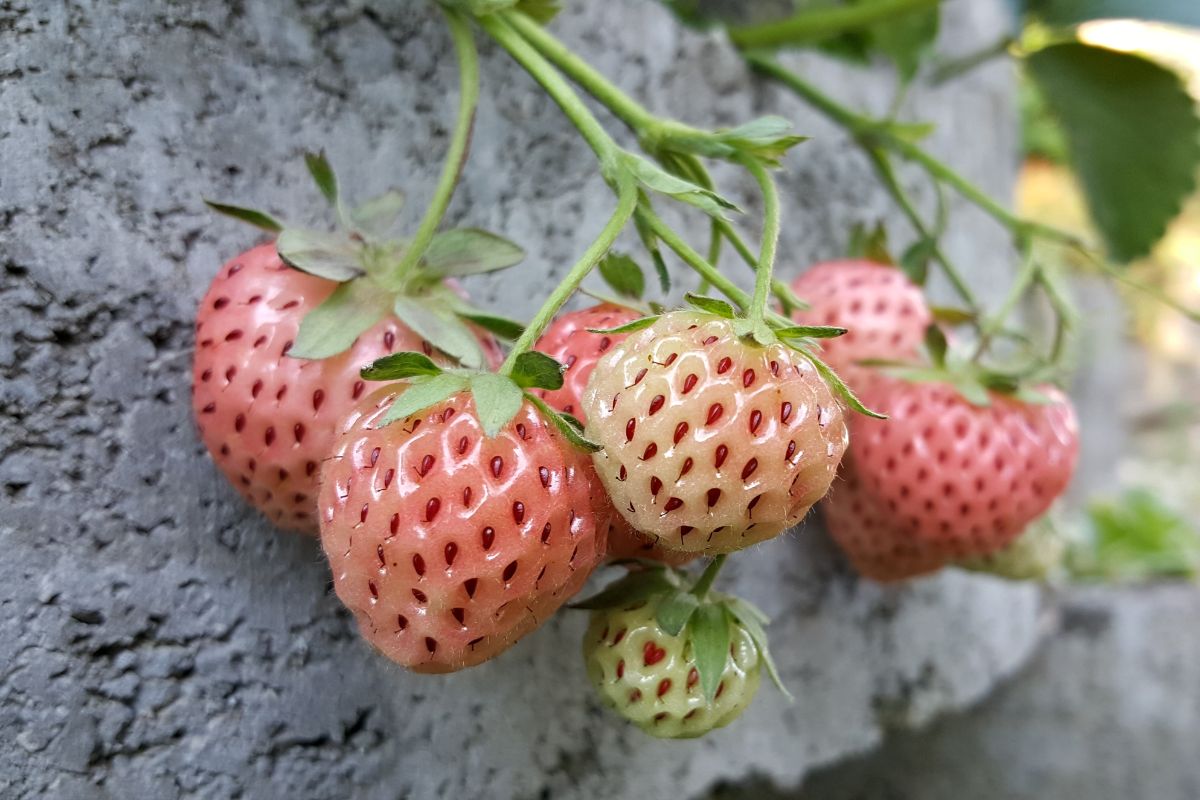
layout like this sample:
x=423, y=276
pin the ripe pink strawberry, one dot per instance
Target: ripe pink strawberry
x=449, y=546
x=625, y=542
x=267, y=419
x=569, y=341
x=883, y=311
x=711, y=443
x=943, y=480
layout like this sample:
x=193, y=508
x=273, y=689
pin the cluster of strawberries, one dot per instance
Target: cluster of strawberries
x=449, y=544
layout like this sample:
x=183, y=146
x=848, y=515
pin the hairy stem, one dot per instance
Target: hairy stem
x=770, y=239
x=627, y=198
x=705, y=581
x=814, y=24
x=468, y=67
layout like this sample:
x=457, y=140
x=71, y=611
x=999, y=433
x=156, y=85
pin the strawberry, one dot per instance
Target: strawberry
x=884, y=312
x=448, y=544
x=569, y=341
x=711, y=442
x=943, y=480
x=284, y=329
x=625, y=542
x=649, y=677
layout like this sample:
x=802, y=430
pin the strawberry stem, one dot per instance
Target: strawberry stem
x=705, y=581
x=627, y=199
x=770, y=238
x=812, y=24
x=1021, y=284
x=456, y=155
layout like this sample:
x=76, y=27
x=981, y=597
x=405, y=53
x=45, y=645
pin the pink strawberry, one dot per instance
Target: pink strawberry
x=883, y=311
x=942, y=480
x=711, y=443
x=569, y=341
x=625, y=542
x=267, y=419
x=449, y=546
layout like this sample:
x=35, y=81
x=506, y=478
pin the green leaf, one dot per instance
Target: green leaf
x=423, y=393
x=810, y=332
x=870, y=244
x=1072, y=12
x=951, y=316
x=936, y=344
x=497, y=401
x=753, y=620
x=766, y=138
x=656, y=179
x=534, y=370
x=258, y=219
x=628, y=327
x=1136, y=537
x=839, y=387
x=442, y=328
x=398, y=366
x=710, y=305
x=914, y=262
x=710, y=635
x=332, y=327
x=623, y=274
x=675, y=611
x=469, y=251
x=1133, y=136
x=907, y=40
x=503, y=327
x=322, y=175
x=630, y=590
x=539, y=10
x=377, y=216
x=567, y=425
x=322, y=254
x=972, y=390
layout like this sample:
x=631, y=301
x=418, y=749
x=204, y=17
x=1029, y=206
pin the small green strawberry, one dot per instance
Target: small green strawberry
x=677, y=663
x=1034, y=556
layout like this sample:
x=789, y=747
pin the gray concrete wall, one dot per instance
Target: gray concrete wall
x=159, y=640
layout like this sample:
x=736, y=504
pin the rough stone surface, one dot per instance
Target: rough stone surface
x=1109, y=709
x=159, y=640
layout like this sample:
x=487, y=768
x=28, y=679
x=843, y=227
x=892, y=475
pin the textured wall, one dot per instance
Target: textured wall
x=157, y=639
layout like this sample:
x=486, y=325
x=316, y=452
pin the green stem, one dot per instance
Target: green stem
x=468, y=66
x=770, y=238
x=955, y=67
x=995, y=323
x=693, y=259
x=503, y=28
x=714, y=253
x=627, y=199
x=887, y=176
x=873, y=134
x=821, y=23
x=705, y=581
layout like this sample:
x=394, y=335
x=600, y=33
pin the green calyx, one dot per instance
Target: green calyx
x=498, y=398
x=366, y=257
x=688, y=607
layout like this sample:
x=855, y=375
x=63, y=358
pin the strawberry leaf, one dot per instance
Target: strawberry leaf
x=914, y=262
x=869, y=244
x=630, y=590
x=567, y=425
x=710, y=305
x=809, y=332
x=332, y=327
x=709, y=631
x=534, y=370
x=377, y=216
x=442, y=329
x=629, y=327
x=675, y=611
x=656, y=179
x=497, y=401
x=1135, y=175
x=258, y=219
x=398, y=366
x=541, y=11
x=752, y=619
x=503, y=327
x=935, y=343
x=840, y=388
x=323, y=176
x=469, y=251
x=951, y=316
x=623, y=274
x=423, y=393
x=322, y=254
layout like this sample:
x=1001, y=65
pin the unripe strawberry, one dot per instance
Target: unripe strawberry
x=650, y=678
x=710, y=442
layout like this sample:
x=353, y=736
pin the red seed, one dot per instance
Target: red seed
x=721, y=455
x=401, y=621
x=510, y=571
x=713, y=496
x=374, y=456
x=269, y=437
x=689, y=383
x=426, y=465
x=256, y=388
x=723, y=365
x=656, y=404
x=714, y=413
x=748, y=378
x=638, y=378
x=497, y=466
x=630, y=428
x=755, y=420
x=652, y=653
x=622, y=474
x=317, y=399
x=469, y=585
x=488, y=536
x=544, y=475
x=687, y=466
x=673, y=504
x=298, y=432
x=362, y=515
x=518, y=512
x=680, y=431
x=460, y=614
x=357, y=391
x=785, y=412
x=650, y=452
x=748, y=470
x=418, y=564
x=239, y=422
x=655, y=485
x=664, y=686
x=394, y=525
x=432, y=507
x=451, y=553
